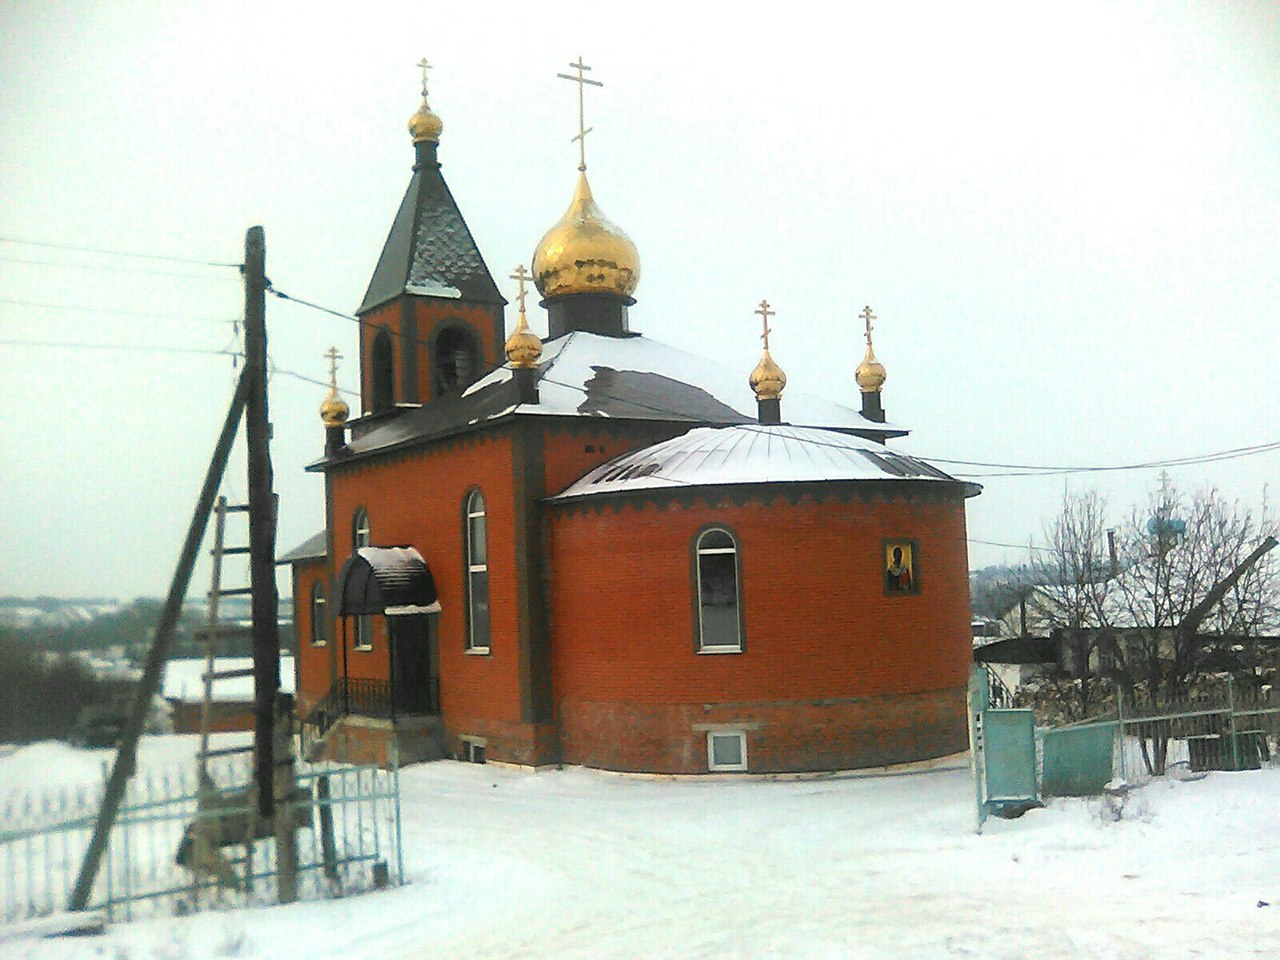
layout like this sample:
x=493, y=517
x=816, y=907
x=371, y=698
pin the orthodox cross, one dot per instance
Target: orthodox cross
x=583, y=129
x=765, y=313
x=333, y=356
x=867, y=316
x=424, y=66
x=520, y=276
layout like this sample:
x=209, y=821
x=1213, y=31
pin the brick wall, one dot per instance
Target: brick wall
x=311, y=663
x=417, y=499
x=430, y=316
x=781, y=736
x=822, y=639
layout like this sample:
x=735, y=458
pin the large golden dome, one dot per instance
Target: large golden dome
x=585, y=253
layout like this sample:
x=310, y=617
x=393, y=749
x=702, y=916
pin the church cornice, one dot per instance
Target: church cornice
x=769, y=494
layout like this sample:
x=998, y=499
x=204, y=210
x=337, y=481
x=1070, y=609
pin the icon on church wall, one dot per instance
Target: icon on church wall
x=899, y=566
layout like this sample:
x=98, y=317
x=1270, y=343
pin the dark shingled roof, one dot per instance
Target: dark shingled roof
x=430, y=252
x=313, y=548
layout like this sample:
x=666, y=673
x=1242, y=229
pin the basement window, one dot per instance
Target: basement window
x=726, y=750
x=473, y=751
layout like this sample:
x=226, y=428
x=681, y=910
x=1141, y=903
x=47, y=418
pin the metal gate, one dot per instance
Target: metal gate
x=1003, y=750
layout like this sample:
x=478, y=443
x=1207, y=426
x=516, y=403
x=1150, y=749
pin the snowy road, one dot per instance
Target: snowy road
x=580, y=864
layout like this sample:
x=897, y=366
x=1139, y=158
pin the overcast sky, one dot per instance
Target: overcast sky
x=1067, y=220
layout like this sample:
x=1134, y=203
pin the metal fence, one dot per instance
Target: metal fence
x=181, y=844
x=1225, y=730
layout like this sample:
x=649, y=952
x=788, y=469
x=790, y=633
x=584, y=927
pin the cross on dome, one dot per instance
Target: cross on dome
x=582, y=81
x=424, y=66
x=765, y=313
x=520, y=276
x=334, y=410
x=333, y=356
x=867, y=316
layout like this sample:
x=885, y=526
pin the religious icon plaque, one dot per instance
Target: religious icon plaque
x=900, y=571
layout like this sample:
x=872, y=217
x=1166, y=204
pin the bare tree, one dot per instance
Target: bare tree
x=1196, y=577
x=1072, y=576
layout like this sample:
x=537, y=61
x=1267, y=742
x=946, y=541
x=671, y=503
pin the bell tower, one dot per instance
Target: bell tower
x=431, y=320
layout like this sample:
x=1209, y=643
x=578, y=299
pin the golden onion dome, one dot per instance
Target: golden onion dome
x=585, y=253
x=424, y=125
x=523, y=347
x=870, y=374
x=767, y=379
x=334, y=411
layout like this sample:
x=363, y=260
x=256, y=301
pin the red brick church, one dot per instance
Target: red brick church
x=597, y=549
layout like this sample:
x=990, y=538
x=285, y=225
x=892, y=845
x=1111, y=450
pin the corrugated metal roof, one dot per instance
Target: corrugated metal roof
x=755, y=453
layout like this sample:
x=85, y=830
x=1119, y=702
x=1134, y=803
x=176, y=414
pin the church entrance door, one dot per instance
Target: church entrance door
x=415, y=663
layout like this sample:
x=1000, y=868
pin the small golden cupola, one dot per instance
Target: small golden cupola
x=870, y=374
x=767, y=379
x=424, y=125
x=523, y=347
x=334, y=410
x=586, y=267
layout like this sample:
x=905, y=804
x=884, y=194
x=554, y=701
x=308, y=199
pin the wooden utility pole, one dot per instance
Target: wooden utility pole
x=262, y=523
x=156, y=657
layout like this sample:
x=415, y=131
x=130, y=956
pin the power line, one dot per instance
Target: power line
x=314, y=306
x=275, y=370
x=114, y=269
x=117, y=253
x=1034, y=471
x=113, y=310
x=1024, y=470
x=1016, y=470
x=130, y=348
x=417, y=341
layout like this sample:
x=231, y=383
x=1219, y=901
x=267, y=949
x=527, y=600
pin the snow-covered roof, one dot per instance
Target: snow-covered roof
x=589, y=375
x=585, y=373
x=183, y=679
x=753, y=453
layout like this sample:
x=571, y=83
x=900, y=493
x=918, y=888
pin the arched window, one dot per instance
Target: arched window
x=477, y=556
x=382, y=386
x=361, y=537
x=319, y=616
x=457, y=359
x=718, y=599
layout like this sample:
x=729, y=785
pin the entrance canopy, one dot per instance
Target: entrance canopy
x=394, y=581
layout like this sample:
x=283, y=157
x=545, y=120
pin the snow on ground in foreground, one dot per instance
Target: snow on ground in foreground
x=582, y=864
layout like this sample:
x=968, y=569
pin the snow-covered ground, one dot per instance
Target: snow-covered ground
x=580, y=864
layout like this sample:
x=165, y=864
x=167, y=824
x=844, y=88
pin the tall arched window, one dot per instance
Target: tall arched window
x=457, y=359
x=361, y=537
x=382, y=387
x=477, y=556
x=319, y=616
x=718, y=597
